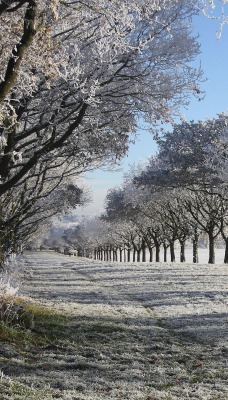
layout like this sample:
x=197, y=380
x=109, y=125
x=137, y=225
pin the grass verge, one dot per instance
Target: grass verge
x=36, y=328
x=36, y=325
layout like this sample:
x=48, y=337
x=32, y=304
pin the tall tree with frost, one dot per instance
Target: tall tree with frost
x=75, y=77
x=209, y=211
x=120, y=210
x=31, y=201
x=101, y=66
x=28, y=221
x=193, y=153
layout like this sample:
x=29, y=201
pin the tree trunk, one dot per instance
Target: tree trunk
x=19, y=50
x=128, y=255
x=165, y=252
x=1, y=252
x=172, y=251
x=125, y=254
x=4, y=244
x=143, y=252
x=1, y=239
x=211, y=248
x=151, y=254
x=157, y=251
x=134, y=254
x=121, y=254
x=182, y=251
x=226, y=252
x=138, y=255
x=195, y=247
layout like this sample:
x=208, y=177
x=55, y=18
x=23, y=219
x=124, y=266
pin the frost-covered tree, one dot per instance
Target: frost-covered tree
x=193, y=153
x=177, y=214
x=48, y=189
x=138, y=208
x=80, y=87
x=209, y=210
x=25, y=215
x=122, y=212
x=215, y=9
x=224, y=231
x=76, y=76
x=189, y=210
x=144, y=207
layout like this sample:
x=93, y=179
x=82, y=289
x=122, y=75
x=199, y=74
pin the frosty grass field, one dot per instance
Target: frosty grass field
x=136, y=331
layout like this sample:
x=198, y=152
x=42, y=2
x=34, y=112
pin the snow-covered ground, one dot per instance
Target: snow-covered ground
x=140, y=331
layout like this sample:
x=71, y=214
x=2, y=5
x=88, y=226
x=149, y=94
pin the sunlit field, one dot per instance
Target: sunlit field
x=132, y=331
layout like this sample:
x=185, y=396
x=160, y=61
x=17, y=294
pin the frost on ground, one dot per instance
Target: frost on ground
x=136, y=331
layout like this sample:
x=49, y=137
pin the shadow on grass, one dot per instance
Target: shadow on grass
x=112, y=347
x=86, y=283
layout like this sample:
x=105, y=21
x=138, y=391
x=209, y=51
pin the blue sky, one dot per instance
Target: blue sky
x=214, y=61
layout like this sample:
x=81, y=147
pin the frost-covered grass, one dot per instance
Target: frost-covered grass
x=131, y=332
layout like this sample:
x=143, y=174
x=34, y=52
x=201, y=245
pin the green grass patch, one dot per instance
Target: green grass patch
x=49, y=323
x=15, y=391
x=16, y=336
x=50, y=327
x=36, y=325
x=104, y=328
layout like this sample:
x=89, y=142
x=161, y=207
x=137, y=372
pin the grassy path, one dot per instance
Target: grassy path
x=137, y=332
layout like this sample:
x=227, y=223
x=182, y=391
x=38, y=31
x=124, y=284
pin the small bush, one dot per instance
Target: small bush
x=13, y=310
x=7, y=288
x=26, y=324
x=14, y=313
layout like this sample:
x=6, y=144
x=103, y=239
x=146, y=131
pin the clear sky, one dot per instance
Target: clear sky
x=214, y=61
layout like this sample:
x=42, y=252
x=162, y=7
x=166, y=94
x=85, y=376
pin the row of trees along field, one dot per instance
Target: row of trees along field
x=75, y=79
x=180, y=195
